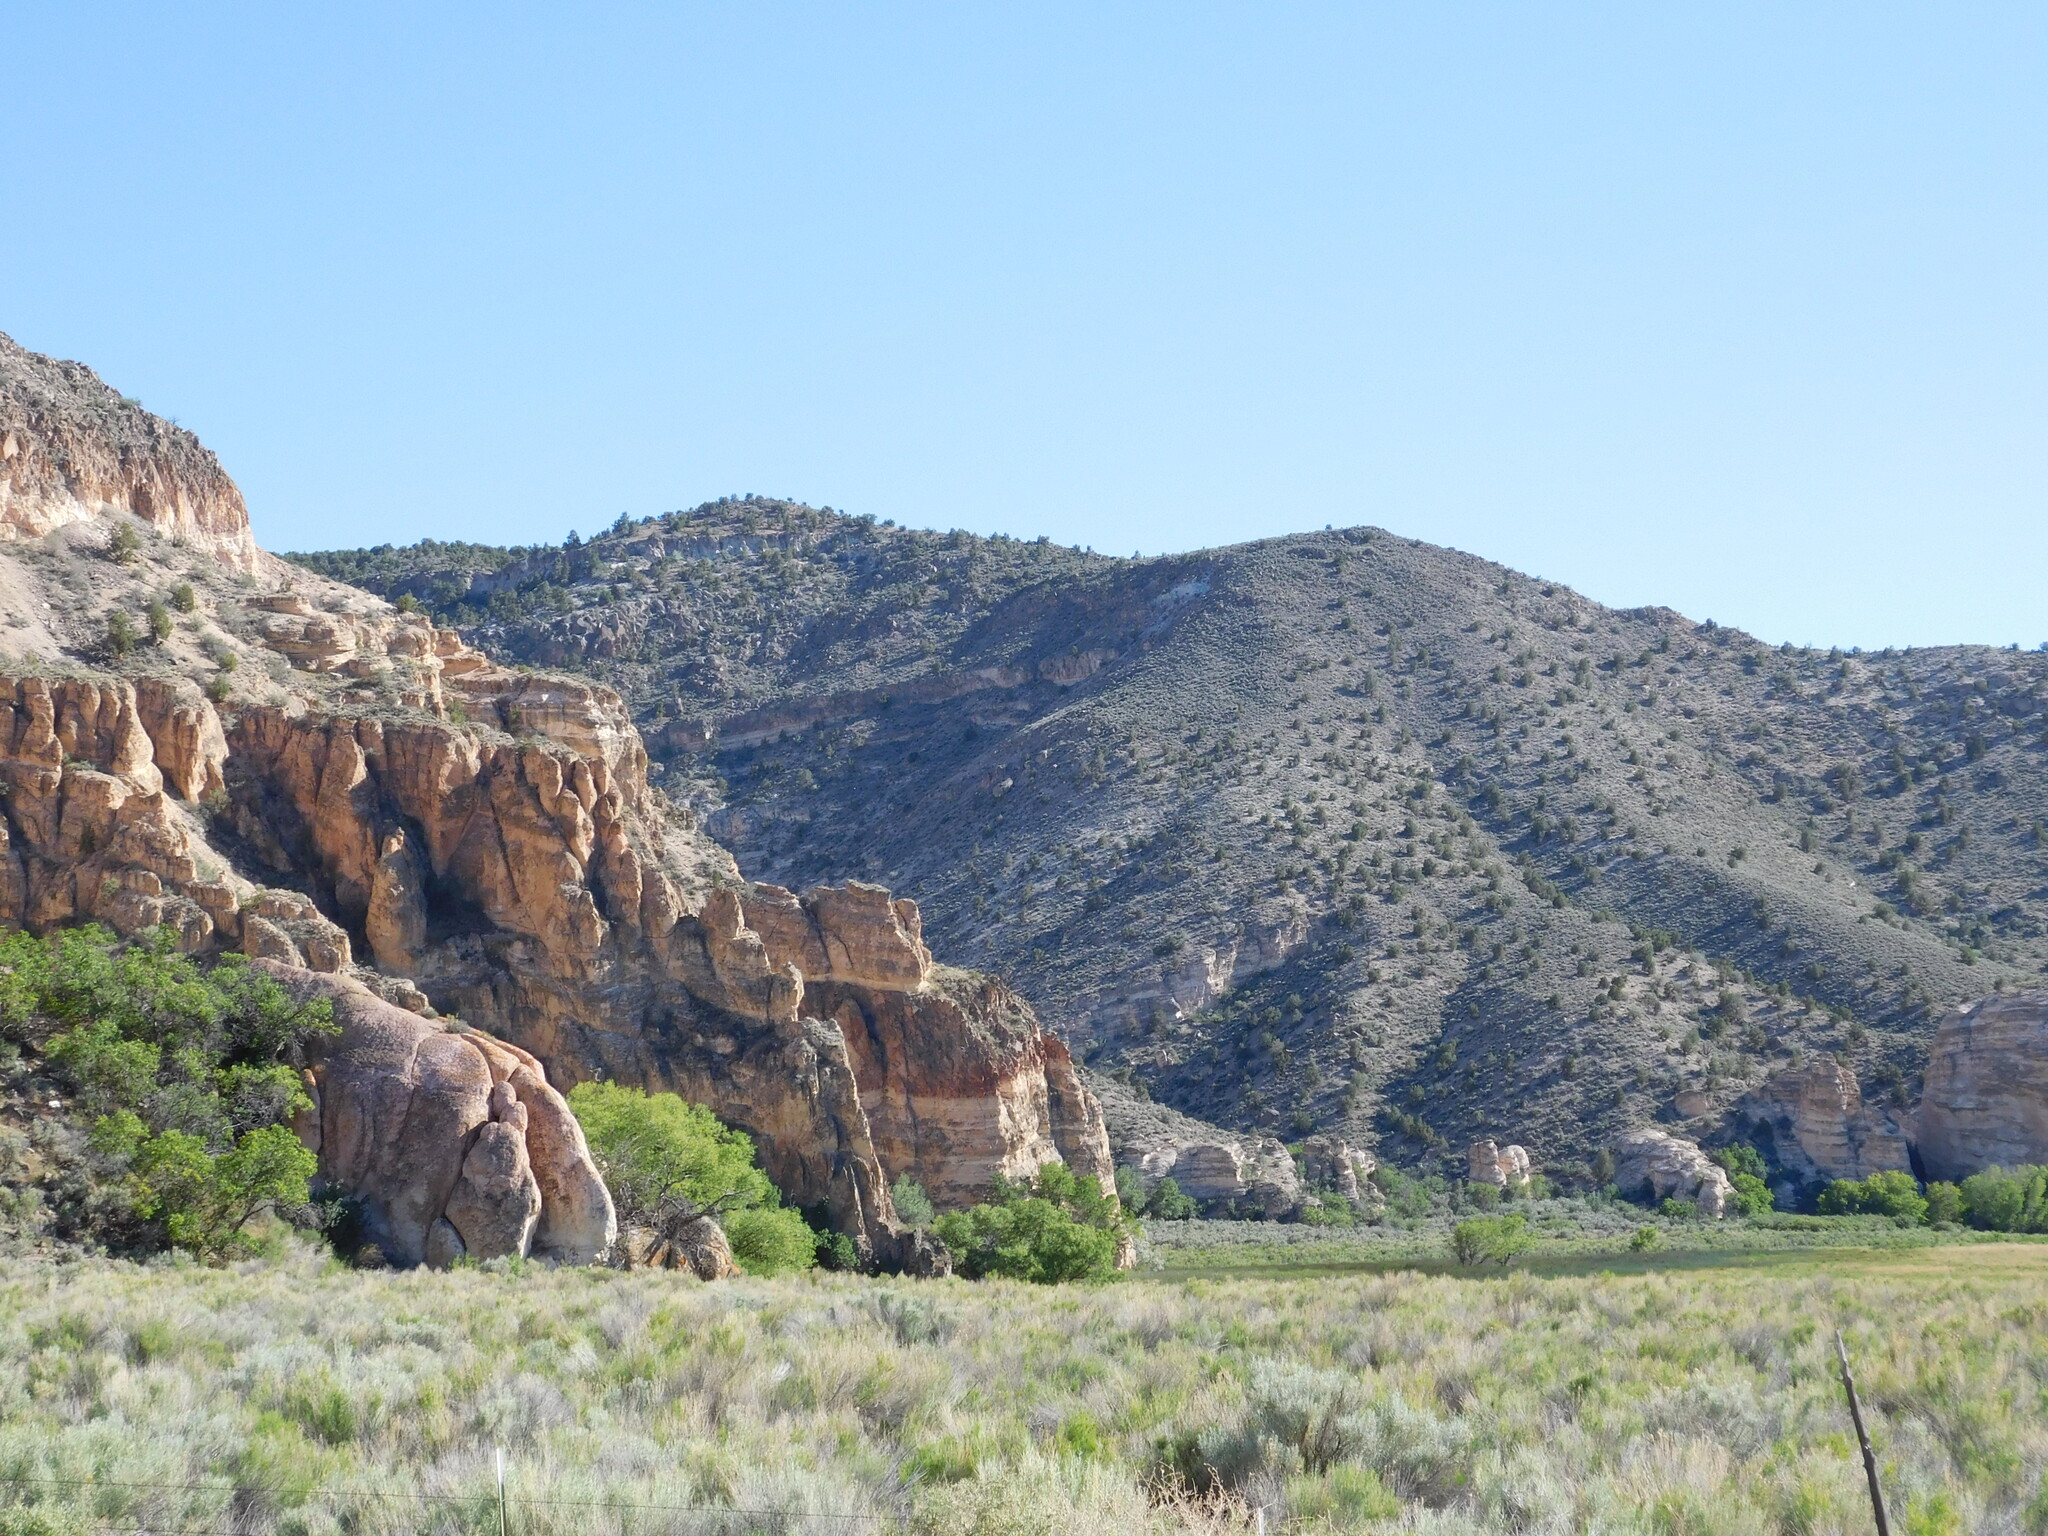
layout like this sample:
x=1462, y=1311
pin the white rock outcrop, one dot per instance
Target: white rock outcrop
x=1671, y=1168
x=1985, y=1101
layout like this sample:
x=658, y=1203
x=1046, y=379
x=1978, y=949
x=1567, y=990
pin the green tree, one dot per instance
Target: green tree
x=1490, y=1240
x=2007, y=1199
x=1893, y=1193
x=183, y=598
x=121, y=634
x=1753, y=1196
x=1168, y=1202
x=669, y=1163
x=1055, y=1227
x=159, y=621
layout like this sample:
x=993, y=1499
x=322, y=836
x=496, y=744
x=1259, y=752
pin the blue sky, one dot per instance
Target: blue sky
x=1738, y=309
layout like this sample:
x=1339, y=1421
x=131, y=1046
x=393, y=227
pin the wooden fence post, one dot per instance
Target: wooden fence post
x=1884, y=1526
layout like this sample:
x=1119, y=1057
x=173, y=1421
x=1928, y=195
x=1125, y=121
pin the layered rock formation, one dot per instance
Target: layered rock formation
x=1985, y=1102
x=1670, y=1167
x=365, y=791
x=73, y=450
x=453, y=1143
x=1821, y=1127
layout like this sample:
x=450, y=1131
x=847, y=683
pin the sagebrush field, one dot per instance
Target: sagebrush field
x=295, y=1395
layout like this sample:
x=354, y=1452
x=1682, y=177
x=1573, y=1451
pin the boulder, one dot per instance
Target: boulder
x=701, y=1248
x=1488, y=1162
x=451, y=1142
x=1670, y=1167
x=1985, y=1099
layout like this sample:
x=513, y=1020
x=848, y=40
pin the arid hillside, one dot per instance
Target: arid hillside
x=1340, y=831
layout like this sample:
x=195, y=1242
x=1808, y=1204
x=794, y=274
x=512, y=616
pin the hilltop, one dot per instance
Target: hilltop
x=1340, y=831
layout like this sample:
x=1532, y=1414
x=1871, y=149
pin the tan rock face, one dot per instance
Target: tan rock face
x=434, y=1133
x=1671, y=1168
x=1821, y=1126
x=73, y=450
x=1985, y=1100
x=1255, y=1174
x=1332, y=1162
x=487, y=839
x=1488, y=1162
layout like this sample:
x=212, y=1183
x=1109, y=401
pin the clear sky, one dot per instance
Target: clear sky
x=1737, y=309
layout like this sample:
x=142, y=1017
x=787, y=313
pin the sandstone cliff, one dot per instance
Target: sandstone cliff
x=1986, y=1097
x=355, y=791
x=1822, y=1128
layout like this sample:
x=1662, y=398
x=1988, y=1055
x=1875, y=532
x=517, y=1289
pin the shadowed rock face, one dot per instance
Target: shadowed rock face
x=1986, y=1095
x=373, y=793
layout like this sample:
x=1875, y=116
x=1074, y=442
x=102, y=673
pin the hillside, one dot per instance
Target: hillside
x=1340, y=830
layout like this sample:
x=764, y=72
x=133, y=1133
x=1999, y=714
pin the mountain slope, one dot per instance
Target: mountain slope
x=1334, y=831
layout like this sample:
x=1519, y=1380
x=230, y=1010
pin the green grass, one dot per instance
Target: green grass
x=299, y=1396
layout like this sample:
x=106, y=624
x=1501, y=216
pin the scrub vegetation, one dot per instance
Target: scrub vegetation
x=300, y=1396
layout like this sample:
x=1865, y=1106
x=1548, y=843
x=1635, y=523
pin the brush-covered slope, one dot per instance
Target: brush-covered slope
x=1337, y=831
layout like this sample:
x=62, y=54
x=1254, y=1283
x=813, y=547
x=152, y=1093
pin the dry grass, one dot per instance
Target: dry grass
x=296, y=1396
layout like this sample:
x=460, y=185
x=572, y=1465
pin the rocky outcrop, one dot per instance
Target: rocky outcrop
x=1670, y=1168
x=1985, y=1100
x=452, y=1143
x=1821, y=1127
x=487, y=839
x=1250, y=1175
x=1488, y=1162
x=72, y=449
x=1330, y=1162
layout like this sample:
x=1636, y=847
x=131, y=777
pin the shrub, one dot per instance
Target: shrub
x=193, y=1075
x=124, y=543
x=913, y=1205
x=1645, y=1240
x=121, y=634
x=770, y=1240
x=1944, y=1205
x=159, y=621
x=1490, y=1240
x=183, y=598
x=1056, y=1227
x=1893, y=1193
x=669, y=1163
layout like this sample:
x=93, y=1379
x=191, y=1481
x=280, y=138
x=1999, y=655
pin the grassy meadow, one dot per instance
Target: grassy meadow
x=292, y=1394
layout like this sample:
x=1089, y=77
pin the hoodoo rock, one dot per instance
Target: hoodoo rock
x=1671, y=1168
x=452, y=1143
x=372, y=793
x=1330, y=1162
x=1488, y=1162
x=1985, y=1102
x=1822, y=1128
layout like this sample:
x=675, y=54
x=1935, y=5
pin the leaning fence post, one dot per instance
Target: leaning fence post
x=1884, y=1526
x=503, y=1528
